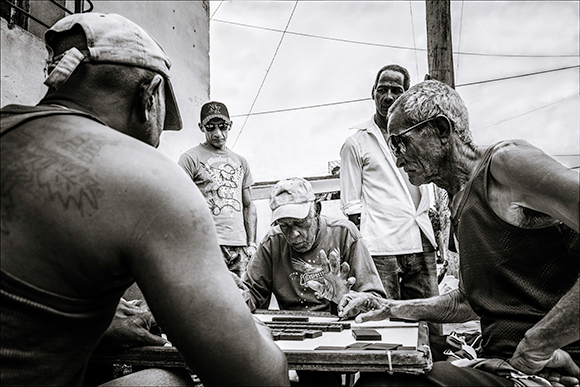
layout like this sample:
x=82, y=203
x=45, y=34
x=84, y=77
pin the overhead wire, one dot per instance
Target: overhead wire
x=394, y=46
x=214, y=12
x=518, y=76
x=368, y=98
x=528, y=112
x=460, y=32
x=414, y=42
x=415, y=49
x=266, y=75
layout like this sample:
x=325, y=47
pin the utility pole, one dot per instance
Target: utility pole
x=439, y=46
x=440, y=55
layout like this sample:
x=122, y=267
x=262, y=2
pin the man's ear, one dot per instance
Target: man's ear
x=200, y=127
x=147, y=95
x=373, y=92
x=443, y=128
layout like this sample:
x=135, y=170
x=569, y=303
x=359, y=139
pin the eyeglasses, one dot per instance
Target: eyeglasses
x=396, y=141
x=221, y=126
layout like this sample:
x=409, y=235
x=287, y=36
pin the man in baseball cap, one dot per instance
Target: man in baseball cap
x=89, y=208
x=308, y=261
x=297, y=250
x=224, y=178
x=109, y=38
x=291, y=198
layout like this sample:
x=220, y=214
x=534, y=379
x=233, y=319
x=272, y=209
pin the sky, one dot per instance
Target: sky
x=255, y=67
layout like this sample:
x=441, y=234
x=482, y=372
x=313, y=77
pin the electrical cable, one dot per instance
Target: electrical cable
x=524, y=113
x=393, y=46
x=460, y=31
x=414, y=43
x=367, y=99
x=517, y=76
x=266, y=75
x=214, y=12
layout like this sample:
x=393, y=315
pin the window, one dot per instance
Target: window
x=36, y=16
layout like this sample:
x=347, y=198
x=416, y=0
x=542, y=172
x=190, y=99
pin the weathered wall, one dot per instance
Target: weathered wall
x=181, y=27
x=22, y=66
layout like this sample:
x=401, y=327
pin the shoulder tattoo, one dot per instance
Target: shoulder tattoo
x=59, y=170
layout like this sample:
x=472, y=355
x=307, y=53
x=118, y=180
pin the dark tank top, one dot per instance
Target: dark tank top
x=47, y=338
x=512, y=276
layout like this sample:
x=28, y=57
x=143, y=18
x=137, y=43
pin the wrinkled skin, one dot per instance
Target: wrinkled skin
x=559, y=369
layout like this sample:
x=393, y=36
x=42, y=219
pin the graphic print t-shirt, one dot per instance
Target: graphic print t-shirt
x=221, y=175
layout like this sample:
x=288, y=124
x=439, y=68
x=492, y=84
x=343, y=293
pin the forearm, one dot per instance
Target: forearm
x=250, y=222
x=451, y=307
x=561, y=326
x=257, y=281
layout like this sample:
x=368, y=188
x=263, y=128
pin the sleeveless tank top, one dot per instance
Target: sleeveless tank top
x=47, y=338
x=512, y=276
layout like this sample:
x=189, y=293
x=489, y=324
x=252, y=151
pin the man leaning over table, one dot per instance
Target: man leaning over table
x=308, y=261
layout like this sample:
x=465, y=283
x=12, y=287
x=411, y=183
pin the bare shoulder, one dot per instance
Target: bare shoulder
x=83, y=163
x=81, y=189
x=514, y=153
x=527, y=186
x=519, y=164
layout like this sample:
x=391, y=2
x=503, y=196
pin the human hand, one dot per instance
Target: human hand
x=251, y=250
x=335, y=283
x=557, y=379
x=365, y=306
x=131, y=327
x=558, y=368
x=243, y=288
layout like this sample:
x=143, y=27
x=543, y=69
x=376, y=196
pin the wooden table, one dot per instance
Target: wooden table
x=301, y=355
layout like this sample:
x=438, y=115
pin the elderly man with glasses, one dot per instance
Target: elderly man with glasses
x=515, y=216
x=225, y=180
x=393, y=214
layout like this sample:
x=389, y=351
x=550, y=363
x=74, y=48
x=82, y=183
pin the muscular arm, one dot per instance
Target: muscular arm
x=538, y=182
x=174, y=255
x=558, y=328
x=351, y=181
x=250, y=217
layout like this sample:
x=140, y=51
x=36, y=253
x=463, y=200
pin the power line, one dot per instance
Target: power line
x=460, y=30
x=304, y=107
x=528, y=112
x=518, y=76
x=266, y=75
x=389, y=45
x=367, y=99
x=214, y=12
x=414, y=43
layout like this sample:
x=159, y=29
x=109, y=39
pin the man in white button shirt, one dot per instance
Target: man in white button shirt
x=393, y=213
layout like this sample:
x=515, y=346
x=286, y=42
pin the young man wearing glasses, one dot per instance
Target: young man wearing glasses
x=225, y=180
x=393, y=214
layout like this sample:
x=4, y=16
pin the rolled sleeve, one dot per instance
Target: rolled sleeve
x=350, y=177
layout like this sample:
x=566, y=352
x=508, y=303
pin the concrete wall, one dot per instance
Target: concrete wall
x=21, y=66
x=181, y=27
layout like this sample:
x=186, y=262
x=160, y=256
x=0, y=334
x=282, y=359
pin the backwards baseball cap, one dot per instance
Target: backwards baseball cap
x=211, y=110
x=111, y=38
x=291, y=198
